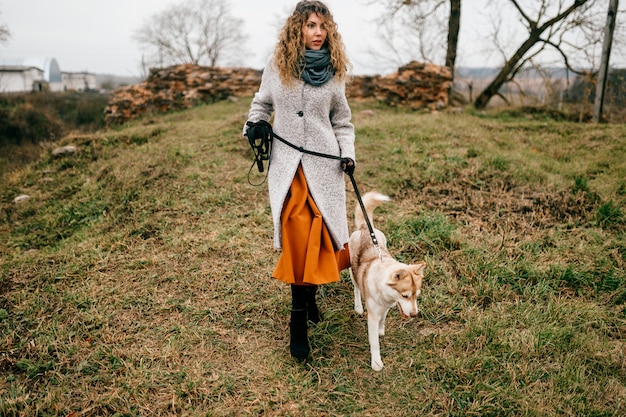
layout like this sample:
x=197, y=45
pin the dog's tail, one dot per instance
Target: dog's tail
x=371, y=200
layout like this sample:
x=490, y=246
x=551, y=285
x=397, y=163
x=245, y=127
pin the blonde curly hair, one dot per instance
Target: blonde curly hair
x=289, y=52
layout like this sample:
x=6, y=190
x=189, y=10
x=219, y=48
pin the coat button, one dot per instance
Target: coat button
x=300, y=113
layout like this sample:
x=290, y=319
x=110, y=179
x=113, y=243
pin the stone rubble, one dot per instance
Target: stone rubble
x=415, y=85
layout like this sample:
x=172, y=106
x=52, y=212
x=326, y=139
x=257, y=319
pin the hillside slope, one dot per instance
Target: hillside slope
x=135, y=280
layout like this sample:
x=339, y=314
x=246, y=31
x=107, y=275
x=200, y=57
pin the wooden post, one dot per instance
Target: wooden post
x=604, y=64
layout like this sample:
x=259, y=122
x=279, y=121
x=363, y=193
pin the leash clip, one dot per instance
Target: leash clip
x=375, y=242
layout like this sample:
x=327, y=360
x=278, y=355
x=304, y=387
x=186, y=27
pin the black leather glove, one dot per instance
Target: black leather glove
x=259, y=130
x=347, y=165
x=260, y=136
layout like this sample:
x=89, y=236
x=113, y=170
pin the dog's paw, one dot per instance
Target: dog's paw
x=359, y=309
x=377, y=365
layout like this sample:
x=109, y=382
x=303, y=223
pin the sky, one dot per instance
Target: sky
x=97, y=35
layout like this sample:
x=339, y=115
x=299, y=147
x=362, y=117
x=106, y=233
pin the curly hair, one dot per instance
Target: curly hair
x=289, y=52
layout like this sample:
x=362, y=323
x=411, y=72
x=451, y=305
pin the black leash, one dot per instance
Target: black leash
x=356, y=189
x=367, y=218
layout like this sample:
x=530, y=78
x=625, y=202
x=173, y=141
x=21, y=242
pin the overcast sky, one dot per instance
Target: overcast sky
x=97, y=35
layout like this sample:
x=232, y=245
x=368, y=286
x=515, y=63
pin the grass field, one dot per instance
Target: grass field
x=135, y=281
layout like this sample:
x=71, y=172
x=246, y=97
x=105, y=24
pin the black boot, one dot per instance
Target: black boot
x=313, y=313
x=299, y=339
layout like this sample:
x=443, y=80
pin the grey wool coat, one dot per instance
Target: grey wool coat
x=317, y=119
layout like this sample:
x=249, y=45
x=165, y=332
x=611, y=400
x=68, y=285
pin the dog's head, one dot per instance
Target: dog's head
x=406, y=282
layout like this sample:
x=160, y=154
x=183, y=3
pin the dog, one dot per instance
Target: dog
x=378, y=278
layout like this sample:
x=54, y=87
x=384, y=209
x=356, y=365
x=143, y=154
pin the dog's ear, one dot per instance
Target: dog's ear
x=418, y=275
x=418, y=268
x=399, y=275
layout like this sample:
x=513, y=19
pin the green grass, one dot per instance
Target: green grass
x=136, y=279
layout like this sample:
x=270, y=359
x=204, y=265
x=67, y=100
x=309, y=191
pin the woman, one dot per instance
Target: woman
x=303, y=86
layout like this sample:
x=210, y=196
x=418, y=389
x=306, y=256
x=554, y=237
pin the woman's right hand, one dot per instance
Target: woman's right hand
x=259, y=130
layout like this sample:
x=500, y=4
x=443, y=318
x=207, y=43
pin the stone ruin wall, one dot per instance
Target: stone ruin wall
x=415, y=85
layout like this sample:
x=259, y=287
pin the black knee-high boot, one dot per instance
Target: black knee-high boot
x=299, y=340
x=313, y=312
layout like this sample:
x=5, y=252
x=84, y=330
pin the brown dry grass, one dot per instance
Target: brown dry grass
x=135, y=281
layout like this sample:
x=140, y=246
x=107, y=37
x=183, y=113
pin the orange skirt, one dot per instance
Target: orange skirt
x=308, y=255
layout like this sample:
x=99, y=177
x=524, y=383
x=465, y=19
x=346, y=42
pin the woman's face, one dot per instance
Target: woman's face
x=314, y=32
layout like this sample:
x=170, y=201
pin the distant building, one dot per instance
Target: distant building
x=41, y=74
x=78, y=81
x=13, y=79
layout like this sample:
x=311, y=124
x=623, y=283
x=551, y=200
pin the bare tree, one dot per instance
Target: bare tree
x=604, y=64
x=5, y=34
x=200, y=32
x=566, y=31
x=416, y=30
x=550, y=26
x=454, y=26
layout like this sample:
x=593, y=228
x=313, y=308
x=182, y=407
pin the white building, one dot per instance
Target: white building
x=14, y=79
x=41, y=74
x=78, y=81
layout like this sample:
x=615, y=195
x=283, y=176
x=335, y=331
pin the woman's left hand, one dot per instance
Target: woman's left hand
x=347, y=165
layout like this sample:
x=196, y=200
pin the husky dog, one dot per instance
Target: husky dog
x=378, y=278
